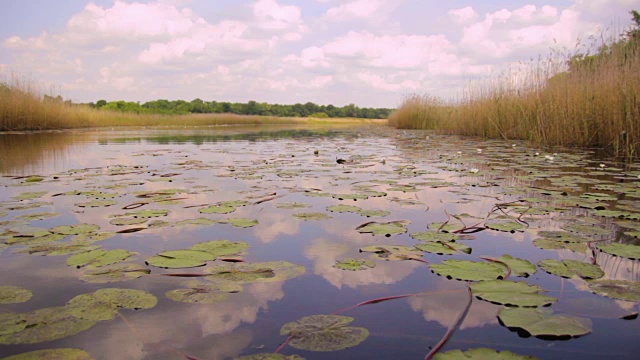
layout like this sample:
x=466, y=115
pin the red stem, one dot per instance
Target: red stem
x=452, y=328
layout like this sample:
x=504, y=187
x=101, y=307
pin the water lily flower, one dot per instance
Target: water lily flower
x=479, y=150
x=536, y=154
x=602, y=166
x=474, y=171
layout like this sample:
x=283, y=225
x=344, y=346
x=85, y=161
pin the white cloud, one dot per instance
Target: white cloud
x=463, y=15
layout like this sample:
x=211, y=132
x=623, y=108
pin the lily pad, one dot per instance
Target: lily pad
x=375, y=213
x=519, y=267
x=570, y=268
x=12, y=294
x=270, y=271
x=511, y=293
x=40, y=326
x=217, y=209
x=312, y=216
x=52, y=354
x=443, y=247
x=541, y=322
x=393, y=252
x=354, y=264
x=114, y=273
x=586, y=229
x=616, y=289
x=125, y=221
x=323, y=333
x=97, y=203
x=36, y=216
x=203, y=292
x=552, y=244
x=292, y=205
x=384, y=229
x=344, y=208
x=354, y=197
x=239, y=222
x=434, y=236
x=622, y=250
x=506, y=226
x=221, y=247
x=75, y=229
x=469, y=270
x=179, y=259
x=444, y=227
x=481, y=354
x=29, y=195
x=147, y=214
x=98, y=258
x=55, y=249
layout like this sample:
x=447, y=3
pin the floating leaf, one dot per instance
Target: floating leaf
x=254, y=272
x=434, y=236
x=292, y=205
x=178, y=259
x=469, y=270
x=542, y=322
x=40, y=325
x=616, y=289
x=354, y=264
x=239, y=222
x=443, y=248
x=481, y=354
x=29, y=195
x=217, y=209
x=114, y=273
x=552, y=244
x=32, y=179
x=586, y=229
x=354, y=197
x=323, y=333
x=221, y=247
x=312, y=216
x=623, y=250
x=36, y=216
x=93, y=236
x=511, y=293
x=123, y=221
x=147, y=214
x=97, y=203
x=201, y=292
x=344, y=208
x=506, y=226
x=98, y=257
x=569, y=268
x=58, y=249
x=52, y=354
x=519, y=267
x=375, y=213
x=75, y=229
x=12, y=294
x=197, y=222
x=393, y=252
x=444, y=227
x=387, y=229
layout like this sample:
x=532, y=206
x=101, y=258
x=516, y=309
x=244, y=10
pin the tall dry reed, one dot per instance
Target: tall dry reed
x=590, y=103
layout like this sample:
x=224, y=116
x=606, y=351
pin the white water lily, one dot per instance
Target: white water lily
x=479, y=150
x=603, y=166
x=474, y=170
x=536, y=154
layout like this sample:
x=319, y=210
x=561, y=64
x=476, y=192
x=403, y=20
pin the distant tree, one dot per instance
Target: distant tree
x=101, y=103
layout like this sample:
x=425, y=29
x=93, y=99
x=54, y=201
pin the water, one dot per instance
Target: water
x=270, y=166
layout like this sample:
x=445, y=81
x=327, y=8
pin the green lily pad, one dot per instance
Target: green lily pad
x=93, y=236
x=469, y=270
x=447, y=228
x=586, y=229
x=125, y=221
x=103, y=304
x=147, y=214
x=354, y=197
x=616, y=289
x=375, y=213
x=541, y=322
x=114, y=273
x=384, y=229
x=344, y=209
x=217, y=209
x=292, y=205
x=270, y=271
x=221, y=247
x=32, y=179
x=201, y=292
x=323, y=333
x=434, y=236
x=570, y=268
x=481, y=354
x=179, y=259
x=97, y=203
x=393, y=252
x=54, y=249
x=511, y=293
x=519, y=267
x=75, y=229
x=36, y=216
x=312, y=216
x=354, y=264
x=239, y=222
x=12, y=294
x=622, y=250
x=29, y=195
x=98, y=258
x=52, y=354
x=196, y=222
x=506, y=226
x=443, y=247
x=552, y=244
x=40, y=325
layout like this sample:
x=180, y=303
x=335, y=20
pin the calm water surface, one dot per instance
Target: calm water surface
x=271, y=166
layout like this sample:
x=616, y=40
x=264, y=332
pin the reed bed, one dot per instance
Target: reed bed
x=594, y=102
x=24, y=107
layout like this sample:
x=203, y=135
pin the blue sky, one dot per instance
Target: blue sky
x=367, y=52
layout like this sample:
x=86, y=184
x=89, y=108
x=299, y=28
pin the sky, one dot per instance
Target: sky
x=370, y=53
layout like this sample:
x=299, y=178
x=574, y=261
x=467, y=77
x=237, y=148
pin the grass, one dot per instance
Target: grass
x=23, y=107
x=594, y=103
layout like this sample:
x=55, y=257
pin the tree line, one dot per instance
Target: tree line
x=198, y=106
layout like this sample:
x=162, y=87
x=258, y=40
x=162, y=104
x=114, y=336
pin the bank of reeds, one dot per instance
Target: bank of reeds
x=23, y=106
x=593, y=102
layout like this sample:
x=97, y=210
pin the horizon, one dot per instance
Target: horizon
x=370, y=53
